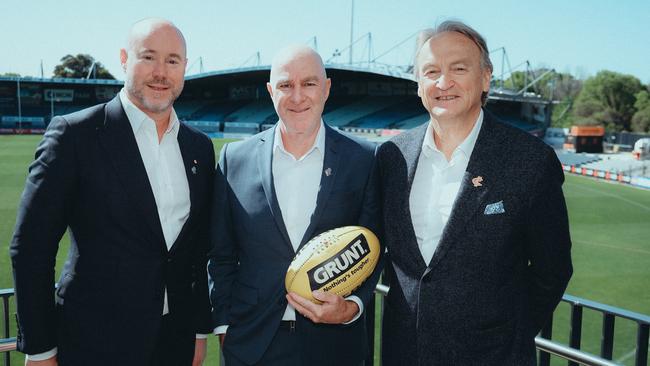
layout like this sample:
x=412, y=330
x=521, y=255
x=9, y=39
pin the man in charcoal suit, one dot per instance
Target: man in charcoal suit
x=475, y=220
x=274, y=192
x=132, y=185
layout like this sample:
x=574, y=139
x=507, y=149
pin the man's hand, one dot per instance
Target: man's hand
x=333, y=310
x=49, y=362
x=200, y=349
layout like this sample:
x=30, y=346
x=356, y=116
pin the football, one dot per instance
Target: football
x=337, y=261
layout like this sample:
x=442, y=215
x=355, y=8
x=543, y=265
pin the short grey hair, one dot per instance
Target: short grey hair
x=458, y=27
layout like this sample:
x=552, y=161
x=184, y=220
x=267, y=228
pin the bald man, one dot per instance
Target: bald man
x=132, y=185
x=274, y=192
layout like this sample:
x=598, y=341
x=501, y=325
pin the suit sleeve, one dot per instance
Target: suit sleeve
x=201, y=299
x=371, y=218
x=223, y=257
x=41, y=221
x=548, y=244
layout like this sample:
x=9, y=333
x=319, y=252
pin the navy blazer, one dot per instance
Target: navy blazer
x=88, y=176
x=496, y=275
x=252, y=250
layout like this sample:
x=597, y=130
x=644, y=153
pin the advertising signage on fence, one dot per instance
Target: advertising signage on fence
x=59, y=95
x=105, y=93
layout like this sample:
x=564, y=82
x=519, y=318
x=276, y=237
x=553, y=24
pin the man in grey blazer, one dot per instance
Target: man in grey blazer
x=273, y=192
x=475, y=220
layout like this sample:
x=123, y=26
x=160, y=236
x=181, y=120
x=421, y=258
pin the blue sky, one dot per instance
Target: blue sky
x=581, y=37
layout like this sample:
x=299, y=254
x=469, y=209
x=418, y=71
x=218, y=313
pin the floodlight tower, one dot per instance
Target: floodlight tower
x=351, y=31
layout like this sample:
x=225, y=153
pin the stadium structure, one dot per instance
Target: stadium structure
x=375, y=102
x=235, y=102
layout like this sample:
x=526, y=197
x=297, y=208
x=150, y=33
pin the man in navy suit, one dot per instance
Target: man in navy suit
x=475, y=220
x=132, y=185
x=274, y=192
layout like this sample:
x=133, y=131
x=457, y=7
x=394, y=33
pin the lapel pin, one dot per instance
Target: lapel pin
x=194, y=166
x=477, y=181
x=328, y=172
x=193, y=170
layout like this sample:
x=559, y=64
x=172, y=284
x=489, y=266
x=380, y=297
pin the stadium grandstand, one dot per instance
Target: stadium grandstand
x=236, y=103
x=380, y=103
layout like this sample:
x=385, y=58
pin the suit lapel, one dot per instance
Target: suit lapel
x=117, y=138
x=470, y=199
x=264, y=155
x=410, y=151
x=331, y=165
x=186, y=145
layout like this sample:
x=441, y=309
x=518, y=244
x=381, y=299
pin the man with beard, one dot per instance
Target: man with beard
x=132, y=185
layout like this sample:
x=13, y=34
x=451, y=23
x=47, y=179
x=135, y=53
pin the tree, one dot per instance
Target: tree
x=10, y=74
x=79, y=66
x=641, y=119
x=608, y=99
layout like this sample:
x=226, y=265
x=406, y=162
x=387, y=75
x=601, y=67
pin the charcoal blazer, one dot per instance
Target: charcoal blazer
x=252, y=250
x=502, y=263
x=88, y=177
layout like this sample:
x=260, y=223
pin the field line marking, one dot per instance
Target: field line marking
x=627, y=356
x=611, y=246
x=637, y=204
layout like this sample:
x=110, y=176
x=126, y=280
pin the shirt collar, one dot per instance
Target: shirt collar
x=137, y=117
x=319, y=142
x=466, y=147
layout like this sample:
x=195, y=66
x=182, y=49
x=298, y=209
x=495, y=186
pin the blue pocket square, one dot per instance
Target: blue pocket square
x=494, y=208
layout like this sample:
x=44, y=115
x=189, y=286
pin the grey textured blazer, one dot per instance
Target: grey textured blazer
x=494, y=279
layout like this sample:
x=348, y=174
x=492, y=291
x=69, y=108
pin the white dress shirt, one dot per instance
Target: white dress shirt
x=166, y=172
x=165, y=169
x=296, y=183
x=435, y=187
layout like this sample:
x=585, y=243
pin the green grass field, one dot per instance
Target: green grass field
x=609, y=227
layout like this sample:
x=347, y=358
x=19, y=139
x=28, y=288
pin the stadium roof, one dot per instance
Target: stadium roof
x=377, y=69
x=372, y=68
x=61, y=80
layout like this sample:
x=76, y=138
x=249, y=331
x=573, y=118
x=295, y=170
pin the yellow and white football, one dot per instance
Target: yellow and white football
x=337, y=261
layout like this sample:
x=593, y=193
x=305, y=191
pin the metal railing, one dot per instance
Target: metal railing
x=7, y=343
x=546, y=347
x=609, y=315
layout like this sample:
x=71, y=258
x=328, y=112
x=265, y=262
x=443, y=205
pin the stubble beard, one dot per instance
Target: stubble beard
x=156, y=105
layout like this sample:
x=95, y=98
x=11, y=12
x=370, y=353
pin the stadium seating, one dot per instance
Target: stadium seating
x=254, y=112
x=411, y=122
x=568, y=158
x=346, y=114
x=216, y=110
x=404, y=109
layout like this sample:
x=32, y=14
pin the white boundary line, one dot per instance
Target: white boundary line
x=637, y=204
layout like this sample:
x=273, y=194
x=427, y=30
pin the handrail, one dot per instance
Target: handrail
x=7, y=344
x=547, y=346
x=571, y=354
x=637, y=317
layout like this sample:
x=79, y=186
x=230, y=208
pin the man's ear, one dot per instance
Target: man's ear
x=269, y=88
x=487, y=76
x=123, y=58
